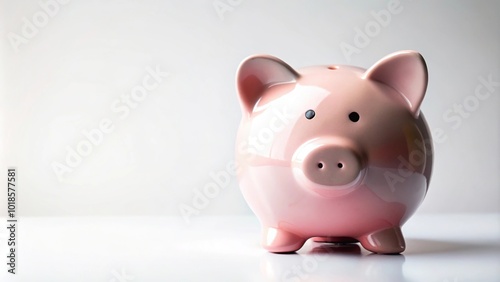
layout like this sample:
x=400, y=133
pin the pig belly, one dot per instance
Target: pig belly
x=279, y=202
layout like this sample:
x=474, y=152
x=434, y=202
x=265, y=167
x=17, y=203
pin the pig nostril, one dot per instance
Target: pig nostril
x=320, y=165
x=340, y=165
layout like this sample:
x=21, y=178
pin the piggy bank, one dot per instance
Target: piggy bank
x=333, y=153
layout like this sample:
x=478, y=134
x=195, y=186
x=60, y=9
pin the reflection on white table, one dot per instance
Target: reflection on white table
x=446, y=248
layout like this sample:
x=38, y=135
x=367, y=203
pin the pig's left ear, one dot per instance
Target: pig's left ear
x=256, y=74
x=406, y=72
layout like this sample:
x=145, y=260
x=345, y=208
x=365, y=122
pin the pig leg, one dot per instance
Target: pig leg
x=280, y=241
x=385, y=241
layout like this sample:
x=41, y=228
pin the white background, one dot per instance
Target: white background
x=64, y=79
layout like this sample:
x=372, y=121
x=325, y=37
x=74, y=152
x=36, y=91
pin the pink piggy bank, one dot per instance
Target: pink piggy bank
x=338, y=154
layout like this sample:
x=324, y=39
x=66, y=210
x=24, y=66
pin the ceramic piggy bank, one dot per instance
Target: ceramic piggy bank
x=335, y=153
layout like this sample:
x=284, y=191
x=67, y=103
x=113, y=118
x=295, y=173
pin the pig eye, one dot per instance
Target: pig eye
x=354, y=117
x=310, y=114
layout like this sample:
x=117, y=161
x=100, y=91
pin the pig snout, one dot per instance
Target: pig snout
x=329, y=162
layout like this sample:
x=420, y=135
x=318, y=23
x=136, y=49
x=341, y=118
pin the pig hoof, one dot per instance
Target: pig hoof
x=386, y=241
x=337, y=240
x=280, y=241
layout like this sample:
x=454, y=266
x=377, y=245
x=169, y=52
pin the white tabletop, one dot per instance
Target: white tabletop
x=451, y=248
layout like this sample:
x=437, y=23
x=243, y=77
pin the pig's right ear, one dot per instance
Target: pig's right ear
x=256, y=74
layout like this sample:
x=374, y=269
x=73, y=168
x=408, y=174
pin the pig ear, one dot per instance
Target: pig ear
x=256, y=74
x=406, y=72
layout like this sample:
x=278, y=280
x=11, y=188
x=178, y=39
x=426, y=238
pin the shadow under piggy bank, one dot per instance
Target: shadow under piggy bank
x=342, y=262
